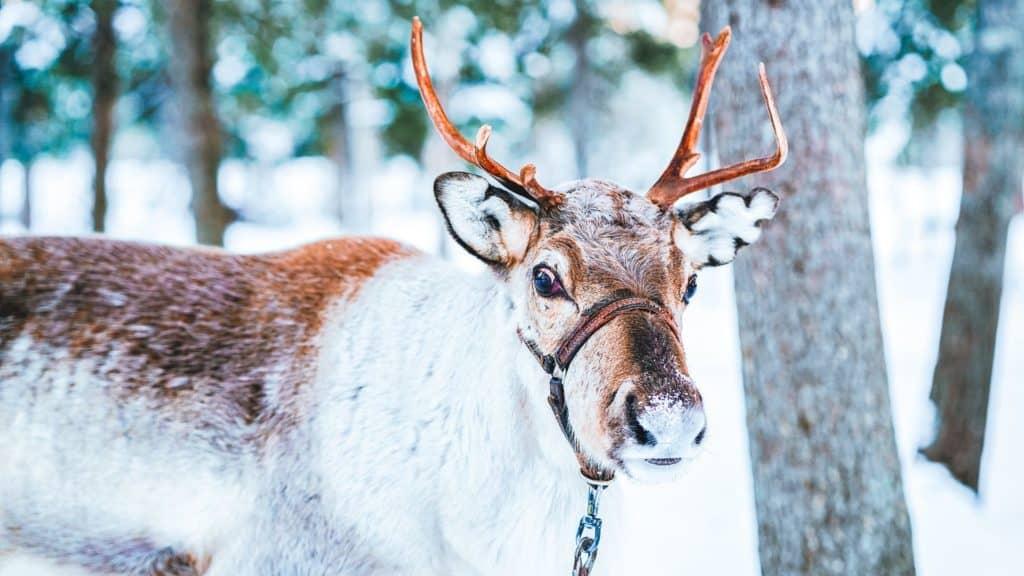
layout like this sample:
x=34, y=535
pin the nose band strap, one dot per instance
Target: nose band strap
x=556, y=364
x=594, y=320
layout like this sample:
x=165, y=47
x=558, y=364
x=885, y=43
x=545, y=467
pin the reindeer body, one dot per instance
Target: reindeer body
x=354, y=407
x=180, y=411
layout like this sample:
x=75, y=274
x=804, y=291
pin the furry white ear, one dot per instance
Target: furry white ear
x=710, y=233
x=490, y=223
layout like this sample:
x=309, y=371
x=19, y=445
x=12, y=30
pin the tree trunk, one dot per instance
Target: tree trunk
x=435, y=159
x=189, y=26
x=825, y=464
x=993, y=168
x=25, y=216
x=104, y=84
x=583, y=92
x=341, y=148
x=352, y=203
x=4, y=121
x=6, y=144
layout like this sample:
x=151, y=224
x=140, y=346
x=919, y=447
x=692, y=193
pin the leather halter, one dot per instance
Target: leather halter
x=557, y=364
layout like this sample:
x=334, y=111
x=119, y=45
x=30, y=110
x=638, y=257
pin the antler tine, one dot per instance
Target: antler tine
x=763, y=164
x=527, y=179
x=448, y=132
x=711, y=53
x=673, y=185
x=488, y=164
x=475, y=154
x=547, y=198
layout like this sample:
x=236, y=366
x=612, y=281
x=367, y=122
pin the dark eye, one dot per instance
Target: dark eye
x=691, y=289
x=545, y=282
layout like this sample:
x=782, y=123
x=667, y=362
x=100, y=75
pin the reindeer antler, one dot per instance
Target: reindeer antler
x=673, y=183
x=525, y=182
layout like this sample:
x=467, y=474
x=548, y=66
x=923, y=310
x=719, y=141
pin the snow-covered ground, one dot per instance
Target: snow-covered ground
x=706, y=523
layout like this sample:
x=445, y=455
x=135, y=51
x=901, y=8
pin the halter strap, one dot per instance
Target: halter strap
x=557, y=364
x=600, y=315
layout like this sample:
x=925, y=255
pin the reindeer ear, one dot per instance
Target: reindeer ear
x=711, y=232
x=490, y=223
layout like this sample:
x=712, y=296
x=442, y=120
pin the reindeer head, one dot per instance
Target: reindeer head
x=566, y=253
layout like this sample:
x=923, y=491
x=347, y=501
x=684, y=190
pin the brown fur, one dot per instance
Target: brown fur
x=180, y=320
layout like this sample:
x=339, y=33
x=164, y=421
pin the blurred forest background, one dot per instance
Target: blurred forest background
x=257, y=125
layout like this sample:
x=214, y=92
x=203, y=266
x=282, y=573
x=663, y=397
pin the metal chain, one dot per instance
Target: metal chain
x=588, y=534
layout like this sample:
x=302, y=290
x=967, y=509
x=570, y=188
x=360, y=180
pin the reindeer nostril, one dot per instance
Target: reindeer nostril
x=643, y=437
x=700, y=436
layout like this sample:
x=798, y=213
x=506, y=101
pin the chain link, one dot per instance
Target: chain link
x=588, y=534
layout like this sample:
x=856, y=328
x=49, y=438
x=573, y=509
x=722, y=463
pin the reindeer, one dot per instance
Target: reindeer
x=354, y=406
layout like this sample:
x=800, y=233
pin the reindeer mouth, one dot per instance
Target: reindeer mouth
x=654, y=470
x=663, y=461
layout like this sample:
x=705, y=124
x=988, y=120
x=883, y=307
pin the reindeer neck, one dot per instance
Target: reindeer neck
x=430, y=354
x=491, y=433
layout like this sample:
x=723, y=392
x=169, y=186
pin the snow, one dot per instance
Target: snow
x=705, y=523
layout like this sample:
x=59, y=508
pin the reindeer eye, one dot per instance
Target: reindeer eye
x=691, y=289
x=546, y=283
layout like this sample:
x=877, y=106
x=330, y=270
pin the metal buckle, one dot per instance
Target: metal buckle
x=588, y=534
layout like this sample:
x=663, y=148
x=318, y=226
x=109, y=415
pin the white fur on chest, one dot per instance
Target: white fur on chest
x=435, y=433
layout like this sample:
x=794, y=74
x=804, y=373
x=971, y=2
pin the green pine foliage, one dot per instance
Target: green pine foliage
x=285, y=61
x=914, y=54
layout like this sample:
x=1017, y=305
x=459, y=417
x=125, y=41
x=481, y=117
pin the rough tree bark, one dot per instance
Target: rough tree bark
x=189, y=27
x=104, y=85
x=825, y=464
x=993, y=168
